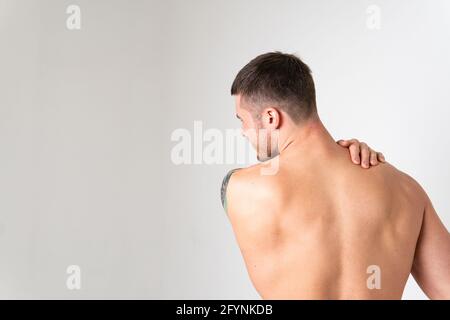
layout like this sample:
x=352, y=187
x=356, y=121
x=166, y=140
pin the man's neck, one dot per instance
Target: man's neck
x=311, y=136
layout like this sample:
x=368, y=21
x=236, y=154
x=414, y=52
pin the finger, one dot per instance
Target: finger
x=380, y=157
x=354, y=152
x=365, y=155
x=343, y=143
x=353, y=141
x=373, y=157
x=348, y=142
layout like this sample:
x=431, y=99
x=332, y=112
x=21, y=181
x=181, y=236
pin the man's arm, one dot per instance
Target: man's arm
x=431, y=266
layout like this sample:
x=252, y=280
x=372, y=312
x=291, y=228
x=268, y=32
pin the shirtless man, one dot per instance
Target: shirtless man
x=322, y=227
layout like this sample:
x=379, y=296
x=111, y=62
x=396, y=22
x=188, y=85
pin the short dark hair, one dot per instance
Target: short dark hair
x=281, y=78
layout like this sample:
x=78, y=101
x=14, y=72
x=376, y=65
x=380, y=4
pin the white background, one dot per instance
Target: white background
x=86, y=117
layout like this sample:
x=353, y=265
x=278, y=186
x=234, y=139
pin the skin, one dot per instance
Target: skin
x=311, y=230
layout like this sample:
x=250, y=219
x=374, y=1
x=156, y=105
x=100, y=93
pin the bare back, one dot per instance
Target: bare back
x=325, y=229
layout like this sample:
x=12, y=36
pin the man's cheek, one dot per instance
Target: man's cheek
x=247, y=134
x=244, y=133
x=251, y=135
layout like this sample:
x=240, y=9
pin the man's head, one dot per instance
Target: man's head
x=273, y=91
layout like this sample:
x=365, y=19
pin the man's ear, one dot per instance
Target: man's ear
x=271, y=118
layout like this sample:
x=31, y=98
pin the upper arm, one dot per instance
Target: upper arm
x=431, y=266
x=249, y=205
x=224, y=188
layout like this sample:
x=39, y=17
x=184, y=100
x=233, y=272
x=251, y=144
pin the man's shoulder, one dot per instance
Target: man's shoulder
x=252, y=178
x=248, y=190
x=404, y=183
